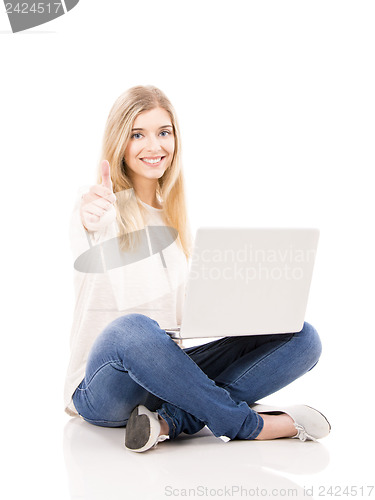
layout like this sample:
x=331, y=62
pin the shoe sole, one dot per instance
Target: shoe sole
x=141, y=432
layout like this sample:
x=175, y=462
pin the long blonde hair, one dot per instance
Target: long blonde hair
x=170, y=189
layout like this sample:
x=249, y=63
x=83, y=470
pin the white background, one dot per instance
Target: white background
x=276, y=105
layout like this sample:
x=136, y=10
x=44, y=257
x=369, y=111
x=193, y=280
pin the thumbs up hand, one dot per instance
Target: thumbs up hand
x=97, y=210
x=106, y=176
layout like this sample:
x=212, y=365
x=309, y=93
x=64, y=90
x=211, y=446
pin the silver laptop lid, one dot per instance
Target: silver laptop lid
x=247, y=281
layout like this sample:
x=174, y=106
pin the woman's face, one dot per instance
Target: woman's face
x=150, y=149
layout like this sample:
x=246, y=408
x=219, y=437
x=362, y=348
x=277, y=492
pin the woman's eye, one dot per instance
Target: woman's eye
x=165, y=133
x=136, y=136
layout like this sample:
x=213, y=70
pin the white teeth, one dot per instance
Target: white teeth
x=153, y=160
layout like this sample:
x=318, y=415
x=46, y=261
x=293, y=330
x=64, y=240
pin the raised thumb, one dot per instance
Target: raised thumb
x=106, y=175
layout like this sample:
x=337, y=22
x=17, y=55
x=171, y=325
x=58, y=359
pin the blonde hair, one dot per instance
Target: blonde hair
x=170, y=189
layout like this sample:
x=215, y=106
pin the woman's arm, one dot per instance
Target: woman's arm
x=93, y=215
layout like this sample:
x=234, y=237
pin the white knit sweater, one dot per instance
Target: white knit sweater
x=149, y=286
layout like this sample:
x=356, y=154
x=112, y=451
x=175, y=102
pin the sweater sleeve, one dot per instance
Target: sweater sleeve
x=146, y=284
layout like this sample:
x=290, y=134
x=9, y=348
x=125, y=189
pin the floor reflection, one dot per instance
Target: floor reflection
x=99, y=467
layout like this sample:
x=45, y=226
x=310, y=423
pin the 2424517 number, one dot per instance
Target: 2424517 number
x=34, y=8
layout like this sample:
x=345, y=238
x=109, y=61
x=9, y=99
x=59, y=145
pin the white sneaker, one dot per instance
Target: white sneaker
x=142, y=430
x=310, y=423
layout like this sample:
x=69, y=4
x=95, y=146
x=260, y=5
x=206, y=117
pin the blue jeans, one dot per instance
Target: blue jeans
x=133, y=361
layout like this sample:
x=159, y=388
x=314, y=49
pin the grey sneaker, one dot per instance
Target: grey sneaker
x=309, y=423
x=142, y=430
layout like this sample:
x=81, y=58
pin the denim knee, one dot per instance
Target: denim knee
x=133, y=329
x=311, y=343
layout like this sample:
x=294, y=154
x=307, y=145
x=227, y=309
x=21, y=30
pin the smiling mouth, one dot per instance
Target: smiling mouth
x=153, y=161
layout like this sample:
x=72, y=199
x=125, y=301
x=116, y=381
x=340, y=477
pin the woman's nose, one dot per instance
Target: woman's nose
x=153, y=144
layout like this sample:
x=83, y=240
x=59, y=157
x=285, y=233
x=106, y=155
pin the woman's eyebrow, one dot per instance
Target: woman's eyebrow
x=164, y=126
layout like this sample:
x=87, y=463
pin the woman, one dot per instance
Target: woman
x=125, y=370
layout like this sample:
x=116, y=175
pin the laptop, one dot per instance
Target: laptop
x=248, y=281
